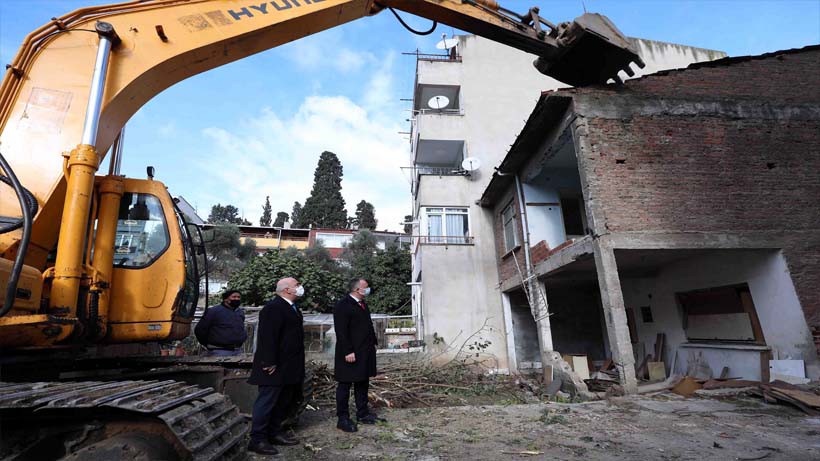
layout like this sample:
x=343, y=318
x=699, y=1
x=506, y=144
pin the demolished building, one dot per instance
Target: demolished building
x=465, y=107
x=682, y=208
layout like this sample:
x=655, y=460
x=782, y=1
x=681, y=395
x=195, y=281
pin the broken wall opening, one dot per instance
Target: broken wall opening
x=555, y=206
x=576, y=319
x=719, y=311
x=525, y=332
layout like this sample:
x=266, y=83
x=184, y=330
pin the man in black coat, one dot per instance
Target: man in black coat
x=222, y=328
x=278, y=367
x=355, y=355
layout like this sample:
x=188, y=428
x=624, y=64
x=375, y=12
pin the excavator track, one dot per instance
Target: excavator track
x=205, y=425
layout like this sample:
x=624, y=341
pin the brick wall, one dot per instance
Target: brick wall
x=713, y=173
x=506, y=262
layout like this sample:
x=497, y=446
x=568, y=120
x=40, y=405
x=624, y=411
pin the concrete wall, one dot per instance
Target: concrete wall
x=778, y=308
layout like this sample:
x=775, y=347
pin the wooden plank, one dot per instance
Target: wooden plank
x=659, y=347
x=641, y=371
x=749, y=308
x=724, y=373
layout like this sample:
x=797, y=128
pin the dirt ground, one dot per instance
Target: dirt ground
x=662, y=427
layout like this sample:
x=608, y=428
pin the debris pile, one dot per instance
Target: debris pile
x=419, y=383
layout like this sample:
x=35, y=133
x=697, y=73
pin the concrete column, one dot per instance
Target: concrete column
x=512, y=359
x=540, y=312
x=612, y=301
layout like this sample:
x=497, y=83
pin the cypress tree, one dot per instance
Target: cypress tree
x=281, y=218
x=366, y=215
x=296, y=216
x=266, y=213
x=326, y=207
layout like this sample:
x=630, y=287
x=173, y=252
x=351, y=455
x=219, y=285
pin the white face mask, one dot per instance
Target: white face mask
x=366, y=291
x=300, y=291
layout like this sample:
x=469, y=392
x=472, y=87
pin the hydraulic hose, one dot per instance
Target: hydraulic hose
x=17, y=268
x=30, y=201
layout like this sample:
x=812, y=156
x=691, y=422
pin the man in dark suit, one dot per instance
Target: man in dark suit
x=355, y=355
x=278, y=367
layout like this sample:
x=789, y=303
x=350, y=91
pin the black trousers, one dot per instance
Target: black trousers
x=269, y=410
x=343, y=398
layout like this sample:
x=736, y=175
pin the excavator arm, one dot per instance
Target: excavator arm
x=65, y=97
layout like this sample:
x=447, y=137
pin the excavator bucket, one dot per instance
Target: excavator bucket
x=590, y=50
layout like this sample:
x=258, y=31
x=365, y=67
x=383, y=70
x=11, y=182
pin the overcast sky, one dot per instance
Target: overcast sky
x=256, y=127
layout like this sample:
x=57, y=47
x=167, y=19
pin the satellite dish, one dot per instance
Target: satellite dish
x=447, y=43
x=438, y=102
x=471, y=164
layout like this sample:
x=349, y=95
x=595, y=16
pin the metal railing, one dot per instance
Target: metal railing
x=444, y=239
x=458, y=111
x=449, y=57
x=417, y=171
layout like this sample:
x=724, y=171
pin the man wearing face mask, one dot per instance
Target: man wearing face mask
x=222, y=328
x=355, y=355
x=278, y=367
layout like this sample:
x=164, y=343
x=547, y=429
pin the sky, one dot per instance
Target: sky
x=268, y=117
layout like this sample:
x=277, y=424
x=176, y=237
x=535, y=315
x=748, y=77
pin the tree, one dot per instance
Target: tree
x=366, y=215
x=227, y=214
x=325, y=207
x=227, y=253
x=390, y=270
x=408, y=228
x=281, y=219
x=387, y=271
x=257, y=280
x=266, y=213
x=359, y=252
x=296, y=215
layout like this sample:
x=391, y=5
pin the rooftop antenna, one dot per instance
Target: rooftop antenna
x=583, y=5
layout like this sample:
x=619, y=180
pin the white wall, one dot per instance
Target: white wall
x=778, y=308
x=545, y=221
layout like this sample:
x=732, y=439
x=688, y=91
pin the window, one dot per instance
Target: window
x=447, y=225
x=510, y=234
x=720, y=314
x=142, y=235
x=334, y=240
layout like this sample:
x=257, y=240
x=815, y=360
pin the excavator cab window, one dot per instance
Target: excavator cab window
x=142, y=233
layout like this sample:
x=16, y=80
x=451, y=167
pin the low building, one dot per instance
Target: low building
x=275, y=238
x=676, y=216
x=335, y=240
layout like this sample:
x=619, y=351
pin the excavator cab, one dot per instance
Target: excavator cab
x=153, y=295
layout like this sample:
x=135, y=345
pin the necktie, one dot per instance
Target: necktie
x=361, y=304
x=295, y=309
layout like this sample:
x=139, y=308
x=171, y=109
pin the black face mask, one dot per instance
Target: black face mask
x=234, y=303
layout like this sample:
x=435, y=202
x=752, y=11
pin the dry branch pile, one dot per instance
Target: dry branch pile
x=418, y=383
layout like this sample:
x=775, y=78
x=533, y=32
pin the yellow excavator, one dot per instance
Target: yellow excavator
x=94, y=269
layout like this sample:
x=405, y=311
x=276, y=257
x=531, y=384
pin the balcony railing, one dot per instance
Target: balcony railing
x=417, y=172
x=458, y=111
x=444, y=239
x=449, y=57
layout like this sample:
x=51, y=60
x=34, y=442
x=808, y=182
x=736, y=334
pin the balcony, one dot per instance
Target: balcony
x=417, y=171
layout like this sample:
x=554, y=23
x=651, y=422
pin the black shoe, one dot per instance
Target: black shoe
x=282, y=439
x=263, y=448
x=346, y=425
x=372, y=418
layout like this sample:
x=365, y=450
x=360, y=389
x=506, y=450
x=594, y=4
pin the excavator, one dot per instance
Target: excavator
x=96, y=268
